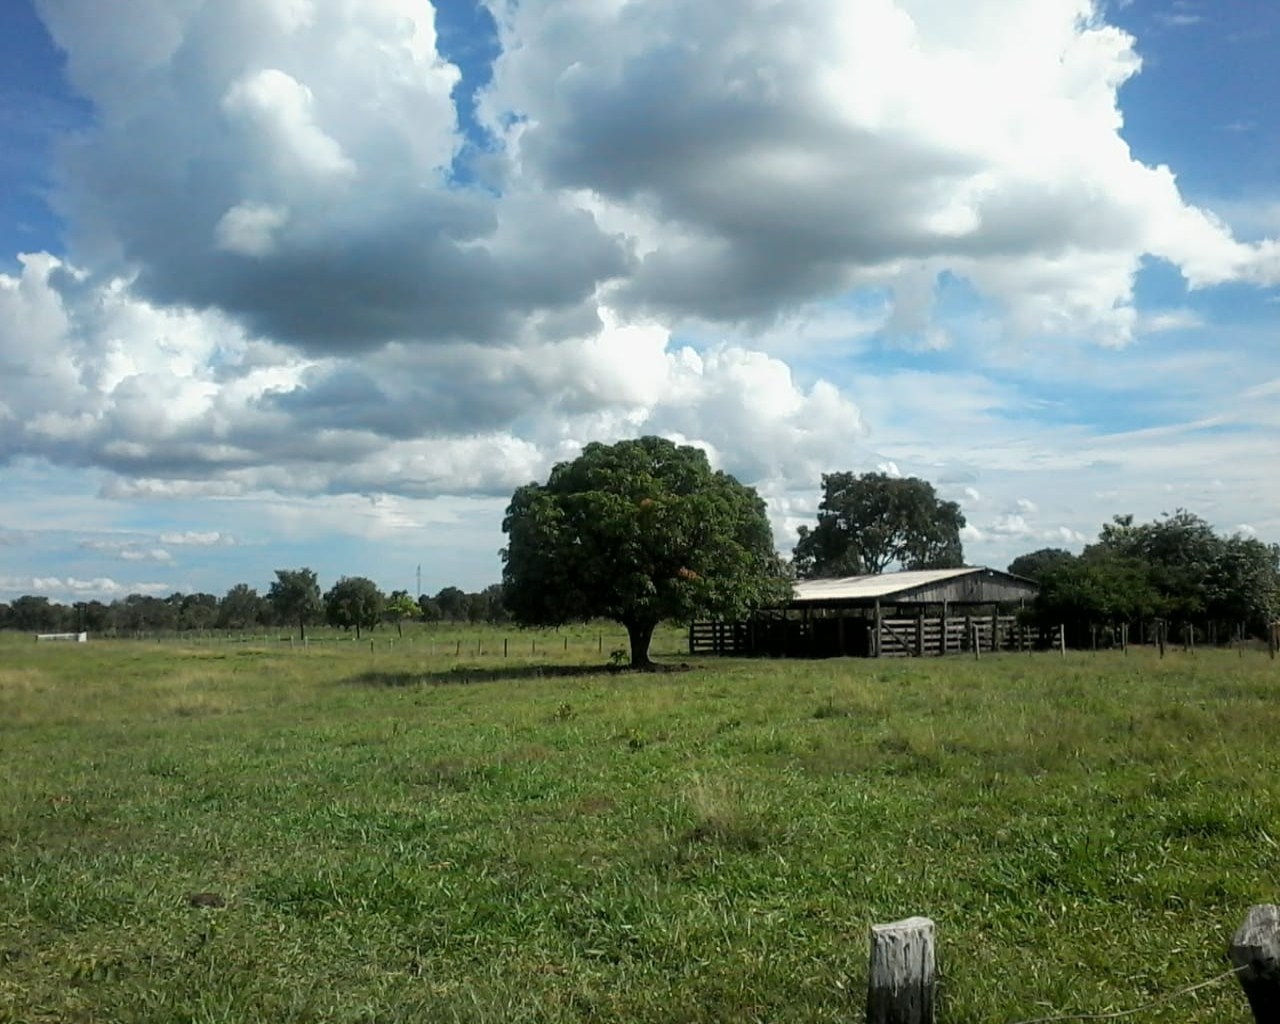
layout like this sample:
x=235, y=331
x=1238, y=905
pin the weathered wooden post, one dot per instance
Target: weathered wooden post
x=900, y=984
x=1255, y=953
x=875, y=641
x=1062, y=639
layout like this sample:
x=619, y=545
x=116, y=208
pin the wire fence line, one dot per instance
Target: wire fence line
x=1168, y=997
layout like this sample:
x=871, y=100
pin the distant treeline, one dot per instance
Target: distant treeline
x=1174, y=570
x=242, y=607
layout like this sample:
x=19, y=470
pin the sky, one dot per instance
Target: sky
x=319, y=282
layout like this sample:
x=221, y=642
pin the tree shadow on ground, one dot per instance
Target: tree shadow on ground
x=518, y=673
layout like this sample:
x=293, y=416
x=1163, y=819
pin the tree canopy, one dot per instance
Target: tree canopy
x=295, y=596
x=638, y=532
x=871, y=521
x=1174, y=567
x=1041, y=563
x=400, y=606
x=354, y=602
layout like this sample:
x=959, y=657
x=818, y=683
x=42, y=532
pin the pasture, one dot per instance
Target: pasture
x=233, y=832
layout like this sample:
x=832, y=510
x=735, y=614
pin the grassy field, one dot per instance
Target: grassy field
x=236, y=832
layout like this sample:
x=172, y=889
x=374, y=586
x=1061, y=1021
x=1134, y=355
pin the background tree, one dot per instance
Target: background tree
x=295, y=596
x=354, y=602
x=495, y=607
x=197, y=611
x=240, y=608
x=637, y=532
x=400, y=606
x=33, y=614
x=1041, y=564
x=871, y=521
x=429, y=610
x=1174, y=567
x=452, y=603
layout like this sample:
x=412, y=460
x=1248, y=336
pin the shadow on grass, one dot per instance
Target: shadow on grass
x=516, y=673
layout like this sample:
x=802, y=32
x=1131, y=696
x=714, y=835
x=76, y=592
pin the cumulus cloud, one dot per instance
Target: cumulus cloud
x=197, y=538
x=289, y=273
x=73, y=588
x=292, y=166
x=770, y=153
x=179, y=403
x=127, y=551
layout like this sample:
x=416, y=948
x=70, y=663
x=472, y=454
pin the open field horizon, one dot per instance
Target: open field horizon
x=223, y=831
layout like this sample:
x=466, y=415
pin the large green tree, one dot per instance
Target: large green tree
x=354, y=602
x=241, y=607
x=870, y=521
x=1174, y=567
x=638, y=532
x=1041, y=564
x=295, y=596
x=400, y=606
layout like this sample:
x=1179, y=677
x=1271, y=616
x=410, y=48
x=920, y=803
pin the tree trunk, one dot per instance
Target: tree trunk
x=302, y=628
x=357, y=631
x=640, y=633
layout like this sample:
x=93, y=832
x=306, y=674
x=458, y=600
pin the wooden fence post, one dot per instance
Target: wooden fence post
x=1255, y=952
x=900, y=985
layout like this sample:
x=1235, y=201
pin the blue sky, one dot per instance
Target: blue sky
x=299, y=282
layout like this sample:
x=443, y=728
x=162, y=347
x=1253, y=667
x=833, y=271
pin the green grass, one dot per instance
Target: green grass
x=408, y=836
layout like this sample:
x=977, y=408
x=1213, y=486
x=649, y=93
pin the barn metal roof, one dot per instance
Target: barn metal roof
x=889, y=584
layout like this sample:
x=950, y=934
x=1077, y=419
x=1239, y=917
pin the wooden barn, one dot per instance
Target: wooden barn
x=898, y=614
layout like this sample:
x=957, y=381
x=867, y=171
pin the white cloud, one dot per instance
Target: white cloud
x=778, y=152
x=127, y=551
x=291, y=279
x=199, y=539
x=281, y=111
x=249, y=228
x=73, y=588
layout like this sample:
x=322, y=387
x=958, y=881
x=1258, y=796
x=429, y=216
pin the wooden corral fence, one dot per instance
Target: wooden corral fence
x=720, y=638
x=918, y=637
x=923, y=637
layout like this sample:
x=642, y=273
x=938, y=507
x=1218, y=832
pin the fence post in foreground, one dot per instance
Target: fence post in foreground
x=900, y=985
x=1255, y=950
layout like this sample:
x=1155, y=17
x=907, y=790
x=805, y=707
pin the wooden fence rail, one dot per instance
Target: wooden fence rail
x=838, y=636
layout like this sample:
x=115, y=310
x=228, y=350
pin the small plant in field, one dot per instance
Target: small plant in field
x=829, y=710
x=720, y=818
x=564, y=712
x=618, y=658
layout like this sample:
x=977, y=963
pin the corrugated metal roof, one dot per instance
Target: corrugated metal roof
x=853, y=588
